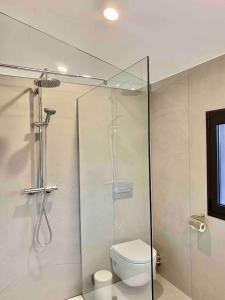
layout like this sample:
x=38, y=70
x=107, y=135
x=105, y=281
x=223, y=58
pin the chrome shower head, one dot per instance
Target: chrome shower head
x=46, y=82
x=49, y=112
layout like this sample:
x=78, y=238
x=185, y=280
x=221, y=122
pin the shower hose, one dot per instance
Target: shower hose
x=42, y=180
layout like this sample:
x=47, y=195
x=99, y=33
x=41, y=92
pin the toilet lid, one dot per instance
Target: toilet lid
x=135, y=251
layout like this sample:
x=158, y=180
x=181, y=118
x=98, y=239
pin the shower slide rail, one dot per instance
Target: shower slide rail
x=49, y=189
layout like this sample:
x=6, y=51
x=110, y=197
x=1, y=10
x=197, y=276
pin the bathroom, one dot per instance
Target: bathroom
x=108, y=178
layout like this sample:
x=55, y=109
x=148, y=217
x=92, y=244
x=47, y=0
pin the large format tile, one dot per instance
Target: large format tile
x=206, y=92
x=163, y=290
x=170, y=178
x=179, y=189
x=25, y=272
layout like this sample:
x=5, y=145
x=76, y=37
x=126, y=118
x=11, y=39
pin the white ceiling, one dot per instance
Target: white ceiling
x=176, y=34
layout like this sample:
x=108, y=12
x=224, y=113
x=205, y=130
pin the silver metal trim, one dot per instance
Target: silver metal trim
x=200, y=218
x=48, y=189
x=40, y=124
x=46, y=71
x=198, y=222
x=158, y=260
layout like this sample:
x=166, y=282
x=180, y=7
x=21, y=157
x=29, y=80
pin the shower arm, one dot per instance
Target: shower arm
x=46, y=71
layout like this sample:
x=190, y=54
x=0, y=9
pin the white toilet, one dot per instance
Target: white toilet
x=131, y=262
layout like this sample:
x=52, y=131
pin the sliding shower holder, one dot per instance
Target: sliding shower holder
x=49, y=189
x=40, y=124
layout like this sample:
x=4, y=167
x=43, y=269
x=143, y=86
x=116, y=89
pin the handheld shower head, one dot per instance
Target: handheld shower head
x=49, y=112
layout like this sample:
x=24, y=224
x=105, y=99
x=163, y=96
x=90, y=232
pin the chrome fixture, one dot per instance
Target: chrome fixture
x=46, y=71
x=40, y=124
x=46, y=82
x=49, y=112
x=198, y=222
x=159, y=260
x=42, y=188
x=48, y=189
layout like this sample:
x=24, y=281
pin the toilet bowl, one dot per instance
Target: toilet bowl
x=131, y=262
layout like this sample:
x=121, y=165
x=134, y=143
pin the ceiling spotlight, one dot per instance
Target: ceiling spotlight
x=62, y=69
x=111, y=14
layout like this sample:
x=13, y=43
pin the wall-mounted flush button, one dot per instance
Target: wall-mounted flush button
x=122, y=190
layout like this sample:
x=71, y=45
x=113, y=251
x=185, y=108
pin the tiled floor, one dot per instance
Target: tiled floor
x=163, y=289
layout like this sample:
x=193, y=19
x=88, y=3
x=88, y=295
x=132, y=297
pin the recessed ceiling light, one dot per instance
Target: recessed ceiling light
x=111, y=14
x=62, y=69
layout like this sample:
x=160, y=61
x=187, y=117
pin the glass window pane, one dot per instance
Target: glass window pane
x=221, y=162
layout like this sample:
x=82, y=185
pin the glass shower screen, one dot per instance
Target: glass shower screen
x=114, y=188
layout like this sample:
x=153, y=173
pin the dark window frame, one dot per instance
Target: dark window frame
x=213, y=118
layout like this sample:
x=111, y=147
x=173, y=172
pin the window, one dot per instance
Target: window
x=215, y=124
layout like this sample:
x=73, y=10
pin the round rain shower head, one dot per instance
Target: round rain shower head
x=47, y=82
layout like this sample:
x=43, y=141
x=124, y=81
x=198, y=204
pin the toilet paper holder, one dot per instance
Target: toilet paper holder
x=200, y=217
x=197, y=222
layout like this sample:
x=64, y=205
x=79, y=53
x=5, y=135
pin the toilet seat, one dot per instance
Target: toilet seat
x=135, y=252
x=132, y=262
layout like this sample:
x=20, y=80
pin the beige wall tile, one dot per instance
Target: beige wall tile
x=179, y=177
x=54, y=272
x=207, y=92
x=170, y=179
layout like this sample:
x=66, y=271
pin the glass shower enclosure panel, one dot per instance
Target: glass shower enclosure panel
x=28, y=47
x=51, y=272
x=115, y=205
